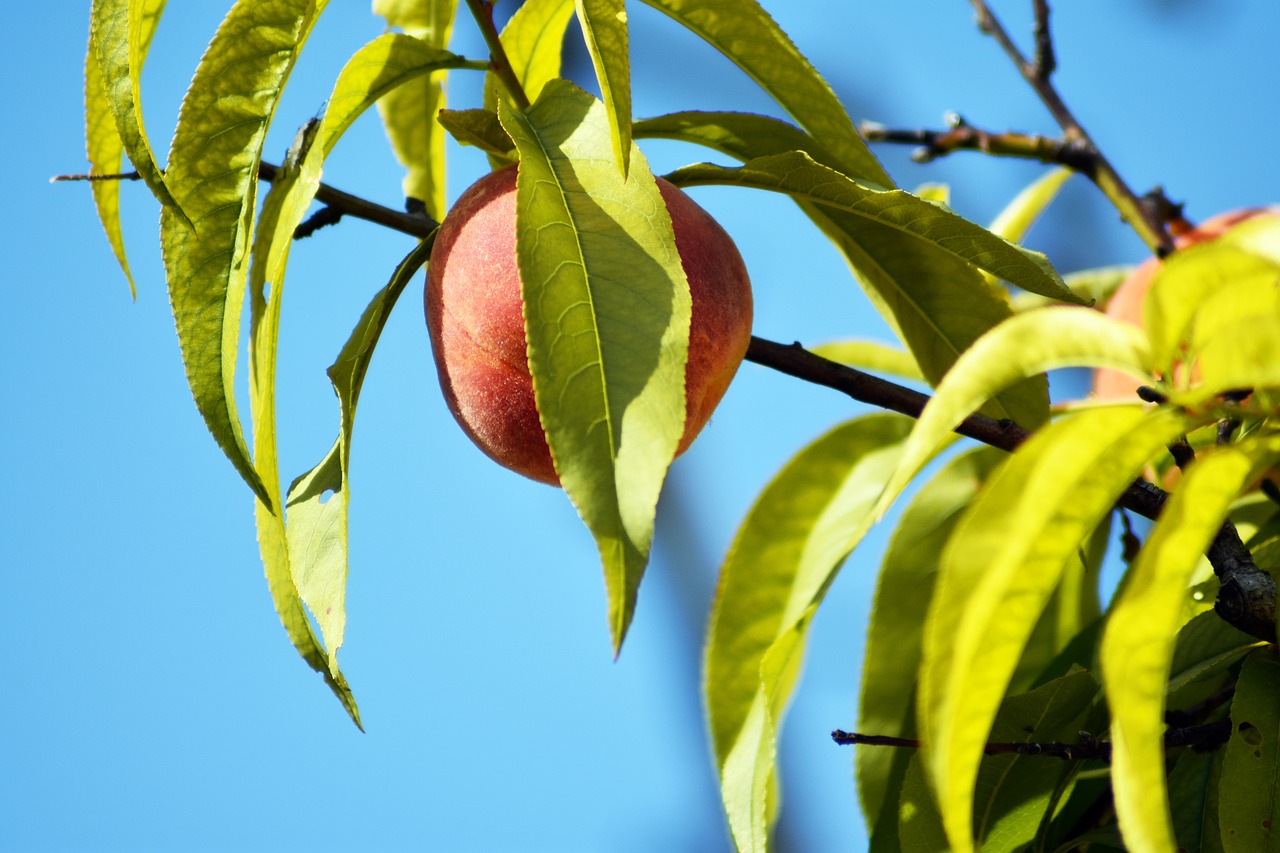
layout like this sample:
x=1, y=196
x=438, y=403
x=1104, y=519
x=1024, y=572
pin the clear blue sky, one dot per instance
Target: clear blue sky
x=152, y=701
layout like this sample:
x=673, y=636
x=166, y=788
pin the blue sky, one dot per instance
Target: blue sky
x=153, y=701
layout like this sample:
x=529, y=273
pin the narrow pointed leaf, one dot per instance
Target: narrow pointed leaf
x=480, y=128
x=895, y=634
x=1024, y=345
x=934, y=299
x=534, y=42
x=104, y=140
x=783, y=558
x=212, y=173
x=409, y=111
x=604, y=25
x=607, y=312
x=1138, y=643
x=119, y=36
x=998, y=572
x=1194, y=783
x=871, y=355
x=800, y=176
x=1019, y=215
x=1250, y=783
x=744, y=32
x=1093, y=287
x=271, y=250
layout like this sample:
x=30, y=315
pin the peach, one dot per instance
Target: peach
x=1126, y=303
x=475, y=319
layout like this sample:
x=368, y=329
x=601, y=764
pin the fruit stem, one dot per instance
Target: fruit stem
x=499, y=64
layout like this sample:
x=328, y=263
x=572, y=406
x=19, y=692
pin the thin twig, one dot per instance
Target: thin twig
x=482, y=11
x=963, y=136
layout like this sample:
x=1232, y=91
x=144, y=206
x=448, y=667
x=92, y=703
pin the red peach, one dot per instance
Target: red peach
x=475, y=318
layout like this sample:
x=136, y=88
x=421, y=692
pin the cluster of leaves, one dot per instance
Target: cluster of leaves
x=987, y=623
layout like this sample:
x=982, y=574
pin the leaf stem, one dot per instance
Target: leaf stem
x=482, y=11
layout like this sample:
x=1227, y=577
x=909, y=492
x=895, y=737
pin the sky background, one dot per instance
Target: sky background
x=152, y=699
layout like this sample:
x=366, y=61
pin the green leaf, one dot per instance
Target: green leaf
x=1138, y=643
x=213, y=165
x=998, y=572
x=919, y=823
x=409, y=111
x=871, y=355
x=1206, y=651
x=783, y=558
x=895, y=632
x=285, y=202
x=104, y=139
x=534, y=42
x=744, y=32
x=1093, y=287
x=800, y=176
x=607, y=312
x=1015, y=791
x=1250, y=783
x=1024, y=345
x=481, y=129
x=604, y=25
x=1016, y=219
x=1194, y=782
x=120, y=34
x=935, y=301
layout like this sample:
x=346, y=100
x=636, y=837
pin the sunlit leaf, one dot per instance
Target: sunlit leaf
x=1000, y=568
x=919, y=823
x=1024, y=345
x=408, y=111
x=213, y=165
x=871, y=355
x=744, y=32
x=783, y=558
x=1093, y=287
x=1250, y=783
x=104, y=141
x=604, y=25
x=935, y=301
x=119, y=36
x=895, y=633
x=607, y=312
x=481, y=129
x=1138, y=643
x=1019, y=215
x=534, y=42
x=285, y=202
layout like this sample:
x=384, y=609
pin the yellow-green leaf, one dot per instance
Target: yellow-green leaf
x=119, y=36
x=783, y=558
x=1019, y=215
x=1250, y=783
x=1022, y=346
x=1093, y=287
x=1137, y=645
x=604, y=25
x=998, y=572
x=744, y=32
x=481, y=129
x=409, y=111
x=534, y=42
x=104, y=136
x=607, y=312
x=891, y=664
x=871, y=355
x=213, y=165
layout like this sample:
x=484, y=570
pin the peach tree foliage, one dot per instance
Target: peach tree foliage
x=987, y=630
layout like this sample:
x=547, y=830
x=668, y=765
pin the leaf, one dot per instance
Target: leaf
x=1194, y=782
x=482, y=129
x=1138, y=643
x=1206, y=651
x=1014, y=792
x=744, y=32
x=1016, y=219
x=604, y=25
x=1250, y=818
x=409, y=111
x=1094, y=287
x=534, y=42
x=934, y=300
x=782, y=560
x=895, y=633
x=607, y=314
x=120, y=34
x=871, y=355
x=1024, y=345
x=800, y=176
x=1000, y=568
x=919, y=824
x=212, y=173
x=104, y=139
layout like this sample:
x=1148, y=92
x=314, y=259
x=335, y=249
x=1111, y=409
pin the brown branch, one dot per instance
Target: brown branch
x=963, y=136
